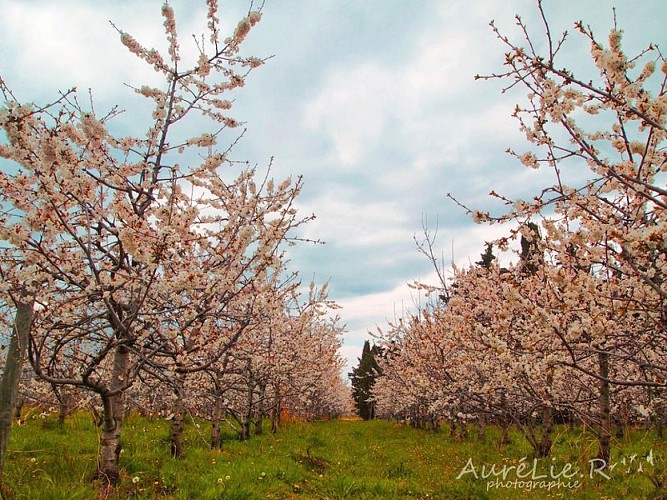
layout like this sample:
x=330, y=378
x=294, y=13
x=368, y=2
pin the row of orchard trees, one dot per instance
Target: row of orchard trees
x=148, y=265
x=576, y=329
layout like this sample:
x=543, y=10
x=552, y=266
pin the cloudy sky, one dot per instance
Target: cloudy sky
x=372, y=101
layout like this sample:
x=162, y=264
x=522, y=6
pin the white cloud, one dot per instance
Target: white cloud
x=358, y=222
x=353, y=110
x=56, y=45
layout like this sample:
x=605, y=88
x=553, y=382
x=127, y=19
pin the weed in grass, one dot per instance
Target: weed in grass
x=343, y=488
x=398, y=471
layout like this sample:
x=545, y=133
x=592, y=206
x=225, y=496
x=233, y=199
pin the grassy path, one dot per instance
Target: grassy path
x=321, y=460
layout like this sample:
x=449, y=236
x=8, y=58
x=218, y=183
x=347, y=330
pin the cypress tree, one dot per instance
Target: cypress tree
x=363, y=378
x=487, y=257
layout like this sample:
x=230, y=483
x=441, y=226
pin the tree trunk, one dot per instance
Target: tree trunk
x=604, y=408
x=63, y=409
x=177, y=422
x=216, y=421
x=9, y=386
x=177, y=433
x=62, y=413
x=107, y=467
x=247, y=418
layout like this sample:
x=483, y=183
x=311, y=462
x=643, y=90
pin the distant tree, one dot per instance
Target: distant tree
x=363, y=379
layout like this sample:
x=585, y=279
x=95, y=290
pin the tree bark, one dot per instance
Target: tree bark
x=113, y=406
x=9, y=386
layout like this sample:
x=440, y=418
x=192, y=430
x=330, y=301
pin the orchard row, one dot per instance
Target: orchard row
x=150, y=271
x=576, y=330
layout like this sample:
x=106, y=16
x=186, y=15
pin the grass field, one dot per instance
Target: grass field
x=321, y=460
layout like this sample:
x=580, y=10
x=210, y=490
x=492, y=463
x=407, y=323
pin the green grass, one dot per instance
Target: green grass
x=321, y=460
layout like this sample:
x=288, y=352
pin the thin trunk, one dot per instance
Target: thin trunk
x=62, y=404
x=660, y=426
x=463, y=431
x=481, y=435
x=9, y=386
x=19, y=407
x=505, y=435
x=259, y=412
x=275, y=417
x=604, y=408
x=112, y=419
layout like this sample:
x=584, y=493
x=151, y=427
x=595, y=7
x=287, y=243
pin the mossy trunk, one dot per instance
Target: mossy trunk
x=9, y=386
